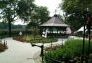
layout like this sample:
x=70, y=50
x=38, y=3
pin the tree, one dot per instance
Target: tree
x=25, y=7
x=10, y=9
x=38, y=16
x=75, y=11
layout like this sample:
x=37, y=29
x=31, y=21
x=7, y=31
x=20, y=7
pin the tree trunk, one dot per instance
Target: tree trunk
x=9, y=24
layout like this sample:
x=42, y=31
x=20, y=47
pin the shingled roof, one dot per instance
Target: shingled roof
x=55, y=21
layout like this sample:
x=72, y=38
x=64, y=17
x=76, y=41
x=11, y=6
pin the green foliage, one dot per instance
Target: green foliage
x=40, y=39
x=5, y=26
x=28, y=11
x=8, y=9
x=75, y=10
x=8, y=12
x=16, y=8
x=40, y=15
x=71, y=49
x=25, y=7
x=36, y=39
x=25, y=10
x=70, y=6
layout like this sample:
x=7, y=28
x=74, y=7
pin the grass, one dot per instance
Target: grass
x=35, y=39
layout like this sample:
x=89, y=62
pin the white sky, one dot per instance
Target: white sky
x=52, y=5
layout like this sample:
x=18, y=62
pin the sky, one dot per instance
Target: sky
x=52, y=5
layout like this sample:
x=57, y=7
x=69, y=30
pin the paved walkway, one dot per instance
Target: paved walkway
x=61, y=41
x=19, y=52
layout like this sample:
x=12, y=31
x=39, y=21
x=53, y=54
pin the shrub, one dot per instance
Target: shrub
x=3, y=47
x=35, y=39
x=71, y=49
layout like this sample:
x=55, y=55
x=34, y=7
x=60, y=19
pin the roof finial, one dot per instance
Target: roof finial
x=55, y=15
x=55, y=11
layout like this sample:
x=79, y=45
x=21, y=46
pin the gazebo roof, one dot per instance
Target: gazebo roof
x=55, y=21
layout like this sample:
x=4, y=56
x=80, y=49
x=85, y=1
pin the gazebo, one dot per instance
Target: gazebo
x=55, y=26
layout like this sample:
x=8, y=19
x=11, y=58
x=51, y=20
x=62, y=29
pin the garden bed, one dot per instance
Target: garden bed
x=3, y=47
x=36, y=39
x=71, y=50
